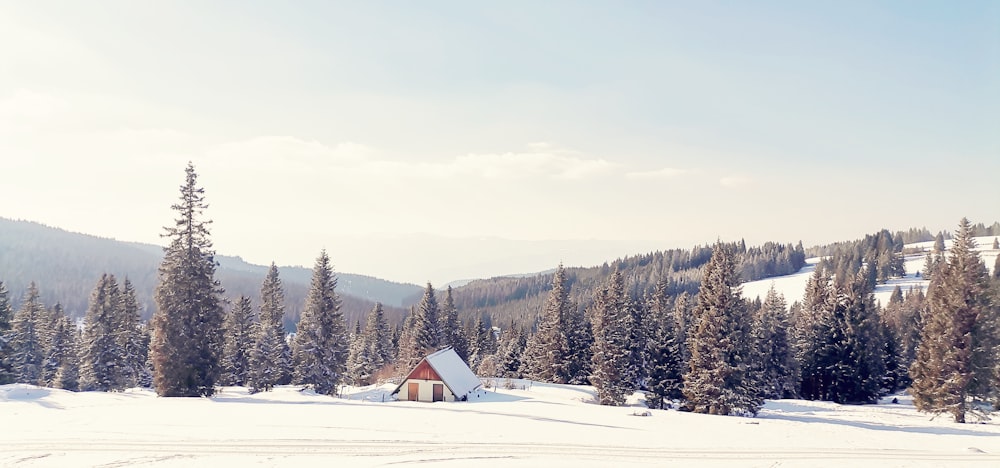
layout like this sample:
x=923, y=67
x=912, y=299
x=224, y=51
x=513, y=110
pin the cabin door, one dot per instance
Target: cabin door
x=438, y=392
x=413, y=391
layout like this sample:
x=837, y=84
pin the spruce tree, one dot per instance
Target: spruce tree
x=612, y=316
x=427, y=325
x=61, y=360
x=102, y=358
x=812, y=325
x=451, y=327
x=662, y=352
x=186, y=339
x=775, y=361
x=240, y=329
x=547, y=350
x=580, y=338
x=132, y=338
x=371, y=350
x=511, y=352
x=957, y=357
x=321, y=346
x=270, y=358
x=6, y=316
x=25, y=339
x=719, y=380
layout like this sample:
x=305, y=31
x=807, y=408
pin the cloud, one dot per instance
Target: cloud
x=287, y=152
x=659, y=174
x=735, y=181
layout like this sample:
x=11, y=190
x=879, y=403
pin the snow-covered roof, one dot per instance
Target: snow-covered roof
x=454, y=372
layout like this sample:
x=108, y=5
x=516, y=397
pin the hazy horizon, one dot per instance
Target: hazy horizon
x=444, y=140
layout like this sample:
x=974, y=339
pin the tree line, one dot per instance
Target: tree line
x=710, y=351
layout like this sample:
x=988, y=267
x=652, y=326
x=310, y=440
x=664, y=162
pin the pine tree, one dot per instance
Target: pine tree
x=240, y=329
x=482, y=344
x=612, y=315
x=102, y=358
x=321, y=346
x=859, y=370
x=662, y=352
x=187, y=341
x=580, y=337
x=270, y=358
x=6, y=316
x=996, y=244
x=811, y=327
x=511, y=352
x=451, y=327
x=547, y=350
x=684, y=319
x=25, y=339
x=132, y=338
x=61, y=361
x=770, y=333
x=956, y=359
x=427, y=325
x=719, y=380
x=371, y=350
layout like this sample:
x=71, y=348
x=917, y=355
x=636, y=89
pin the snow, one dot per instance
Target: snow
x=793, y=286
x=531, y=424
x=453, y=372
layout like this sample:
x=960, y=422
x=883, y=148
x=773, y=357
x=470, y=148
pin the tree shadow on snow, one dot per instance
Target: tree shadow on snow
x=805, y=418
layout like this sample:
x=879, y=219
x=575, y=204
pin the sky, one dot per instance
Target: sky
x=447, y=140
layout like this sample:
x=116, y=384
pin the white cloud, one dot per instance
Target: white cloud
x=665, y=173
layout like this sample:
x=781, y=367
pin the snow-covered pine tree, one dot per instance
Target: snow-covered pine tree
x=957, y=356
x=684, y=319
x=320, y=348
x=25, y=339
x=133, y=340
x=451, y=327
x=775, y=360
x=6, y=316
x=61, y=360
x=719, y=380
x=580, y=336
x=270, y=358
x=859, y=370
x=482, y=344
x=546, y=355
x=811, y=327
x=102, y=358
x=612, y=316
x=663, y=356
x=427, y=326
x=371, y=351
x=240, y=328
x=510, y=352
x=186, y=344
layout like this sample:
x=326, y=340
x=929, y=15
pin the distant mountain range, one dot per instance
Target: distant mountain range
x=66, y=265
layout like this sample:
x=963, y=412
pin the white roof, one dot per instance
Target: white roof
x=453, y=372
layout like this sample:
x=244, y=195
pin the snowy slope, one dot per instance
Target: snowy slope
x=531, y=425
x=793, y=286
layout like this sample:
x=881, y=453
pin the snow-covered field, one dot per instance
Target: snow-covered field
x=541, y=425
x=793, y=286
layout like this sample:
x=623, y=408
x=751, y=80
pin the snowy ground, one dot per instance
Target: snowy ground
x=544, y=425
x=793, y=286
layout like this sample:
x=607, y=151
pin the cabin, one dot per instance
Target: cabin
x=441, y=376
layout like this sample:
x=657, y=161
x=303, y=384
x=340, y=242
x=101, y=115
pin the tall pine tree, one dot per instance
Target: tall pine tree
x=612, y=315
x=26, y=339
x=321, y=341
x=102, y=357
x=775, y=360
x=546, y=355
x=132, y=339
x=663, y=355
x=957, y=356
x=6, y=317
x=271, y=357
x=186, y=345
x=720, y=379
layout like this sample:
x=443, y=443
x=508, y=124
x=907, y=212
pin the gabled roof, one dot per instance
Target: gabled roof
x=452, y=370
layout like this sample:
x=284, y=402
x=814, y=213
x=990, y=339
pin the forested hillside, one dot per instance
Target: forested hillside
x=519, y=299
x=67, y=265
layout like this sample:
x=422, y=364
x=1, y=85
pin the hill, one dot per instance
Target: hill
x=66, y=265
